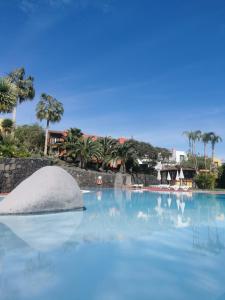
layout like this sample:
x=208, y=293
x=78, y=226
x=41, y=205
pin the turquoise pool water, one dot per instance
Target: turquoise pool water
x=126, y=245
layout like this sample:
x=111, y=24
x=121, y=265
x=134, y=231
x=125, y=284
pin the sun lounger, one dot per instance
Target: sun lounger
x=164, y=186
x=174, y=187
x=184, y=187
x=137, y=186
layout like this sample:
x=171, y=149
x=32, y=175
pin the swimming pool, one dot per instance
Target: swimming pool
x=126, y=245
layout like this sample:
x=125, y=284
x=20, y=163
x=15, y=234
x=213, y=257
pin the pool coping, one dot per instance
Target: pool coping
x=163, y=191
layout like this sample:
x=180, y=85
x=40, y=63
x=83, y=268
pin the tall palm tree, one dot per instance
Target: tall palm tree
x=206, y=138
x=8, y=96
x=24, y=86
x=189, y=135
x=196, y=136
x=51, y=110
x=214, y=139
x=86, y=150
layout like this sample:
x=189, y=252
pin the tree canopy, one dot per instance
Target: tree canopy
x=8, y=96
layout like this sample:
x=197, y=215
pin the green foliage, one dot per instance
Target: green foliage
x=7, y=150
x=202, y=163
x=144, y=150
x=221, y=177
x=205, y=138
x=214, y=139
x=73, y=135
x=32, y=137
x=85, y=150
x=205, y=181
x=163, y=154
x=24, y=86
x=125, y=153
x=111, y=153
x=49, y=109
x=9, y=147
x=8, y=96
x=108, y=150
x=7, y=126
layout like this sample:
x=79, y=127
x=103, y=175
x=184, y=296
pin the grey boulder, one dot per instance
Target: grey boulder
x=50, y=189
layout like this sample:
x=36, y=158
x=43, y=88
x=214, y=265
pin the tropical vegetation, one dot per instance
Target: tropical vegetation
x=7, y=126
x=8, y=96
x=103, y=153
x=205, y=181
x=24, y=87
x=32, y=137
x=51, y=110
x=206, y=138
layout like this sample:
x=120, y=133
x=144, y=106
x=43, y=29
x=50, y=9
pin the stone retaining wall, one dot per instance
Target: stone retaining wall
x=87, y=178
x=145, y=179
x=15, y=170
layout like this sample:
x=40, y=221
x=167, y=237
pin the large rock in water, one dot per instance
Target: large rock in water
x=50, y=189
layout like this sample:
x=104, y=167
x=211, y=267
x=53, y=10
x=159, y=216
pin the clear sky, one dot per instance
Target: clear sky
x=143, y=68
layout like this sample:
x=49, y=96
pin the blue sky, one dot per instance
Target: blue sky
x=143, y=68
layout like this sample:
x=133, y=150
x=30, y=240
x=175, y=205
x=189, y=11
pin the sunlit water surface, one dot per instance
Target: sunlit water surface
x=126, y=245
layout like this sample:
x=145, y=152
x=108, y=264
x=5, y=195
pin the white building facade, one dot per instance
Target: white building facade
x=178, y=156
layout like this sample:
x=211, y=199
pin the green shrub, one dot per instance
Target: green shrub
x=205, y=181
x=32, y=137
x=221, y=177
x=201, y=163
x=7, y=126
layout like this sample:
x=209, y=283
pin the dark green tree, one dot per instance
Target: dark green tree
x=108, y=150
x=32, y=137
x=85, y=150
x=7, y=126
x=73, y=134
x=125, y=153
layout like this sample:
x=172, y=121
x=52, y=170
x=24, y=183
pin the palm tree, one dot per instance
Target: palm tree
x=73, y=134
x=214, y=139
x=108, y=146
x=24, y=87
x=206, y=138
x=124, y=153
x=51, y=110
x=189, y=135
x=196, y=136
x=8, y=96
x=86, y=150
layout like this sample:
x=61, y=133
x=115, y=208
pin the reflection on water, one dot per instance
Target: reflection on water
x=171, y=245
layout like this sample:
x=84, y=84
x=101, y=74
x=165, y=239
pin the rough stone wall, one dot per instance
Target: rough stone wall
x=87, y=178
x=15, y=170
x=145, y=179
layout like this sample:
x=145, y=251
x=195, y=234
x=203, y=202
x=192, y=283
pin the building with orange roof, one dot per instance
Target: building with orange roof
x=57, y=138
